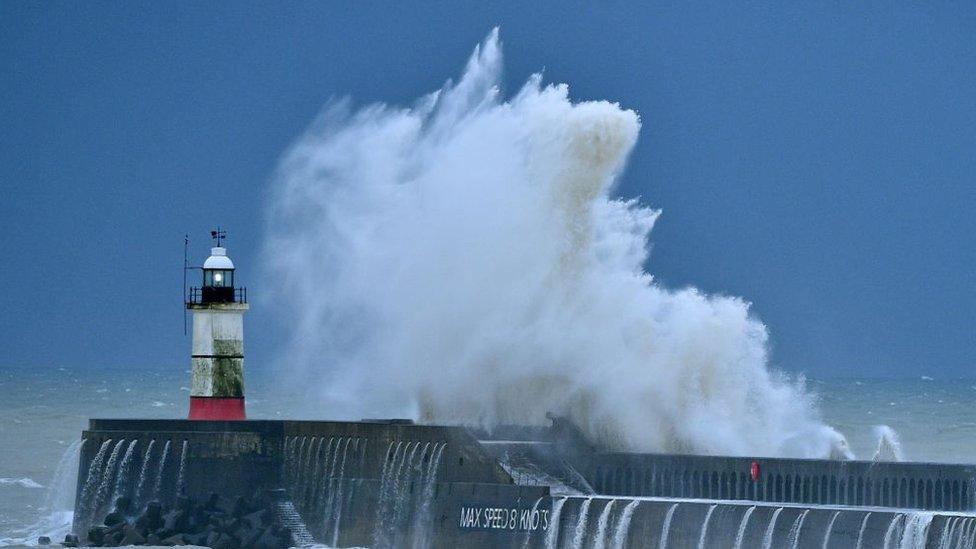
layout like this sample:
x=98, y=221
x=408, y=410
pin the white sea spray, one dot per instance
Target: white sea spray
x=465, y=260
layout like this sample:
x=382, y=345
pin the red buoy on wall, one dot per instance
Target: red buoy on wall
x=754, y=471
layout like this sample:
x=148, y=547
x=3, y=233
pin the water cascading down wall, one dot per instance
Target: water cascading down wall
x=394, y=484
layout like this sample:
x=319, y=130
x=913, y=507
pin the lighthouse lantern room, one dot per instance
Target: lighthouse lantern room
x=217, y=356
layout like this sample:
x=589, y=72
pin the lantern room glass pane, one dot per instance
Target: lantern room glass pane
x=218, y=278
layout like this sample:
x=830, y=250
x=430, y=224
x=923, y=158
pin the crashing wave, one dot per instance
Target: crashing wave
x=465, y=260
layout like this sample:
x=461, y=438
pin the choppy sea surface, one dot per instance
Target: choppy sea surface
x=43, y=411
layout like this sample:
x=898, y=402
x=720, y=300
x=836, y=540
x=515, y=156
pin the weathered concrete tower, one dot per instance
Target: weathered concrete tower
x=217, y=384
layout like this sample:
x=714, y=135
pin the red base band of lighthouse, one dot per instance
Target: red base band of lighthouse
x=217, y=409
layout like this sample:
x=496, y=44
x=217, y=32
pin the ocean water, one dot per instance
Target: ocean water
x=934, y=418
x=43, y=411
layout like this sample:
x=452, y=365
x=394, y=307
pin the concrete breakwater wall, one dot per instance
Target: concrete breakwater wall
x=489, y=515
x=926, y=486
x=156, y=460
x=640, y=523
x=394, y=484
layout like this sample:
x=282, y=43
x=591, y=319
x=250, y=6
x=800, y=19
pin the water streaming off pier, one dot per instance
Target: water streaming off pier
x=324, y=474
x=707, y=525
x=148, y=477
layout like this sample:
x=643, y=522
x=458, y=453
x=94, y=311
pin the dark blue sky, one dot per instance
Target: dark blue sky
x=817, y=160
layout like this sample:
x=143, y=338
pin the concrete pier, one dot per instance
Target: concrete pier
x=395, y=484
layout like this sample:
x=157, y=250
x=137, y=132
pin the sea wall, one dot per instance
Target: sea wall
x=157, y=460
x=636, y=523
x=148, y=460
x=924, y=486
x=393, y=484
x=491, y=516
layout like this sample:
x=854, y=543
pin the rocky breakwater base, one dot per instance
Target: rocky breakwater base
x=215, y=522
x=392, y=484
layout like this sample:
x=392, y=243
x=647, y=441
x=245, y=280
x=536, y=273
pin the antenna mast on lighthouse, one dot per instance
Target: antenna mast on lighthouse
x=186, y=267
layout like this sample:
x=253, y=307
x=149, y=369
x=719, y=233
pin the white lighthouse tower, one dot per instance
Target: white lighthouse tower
x=217, y=356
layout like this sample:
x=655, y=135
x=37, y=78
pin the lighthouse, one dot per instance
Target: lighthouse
x=217, y=355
